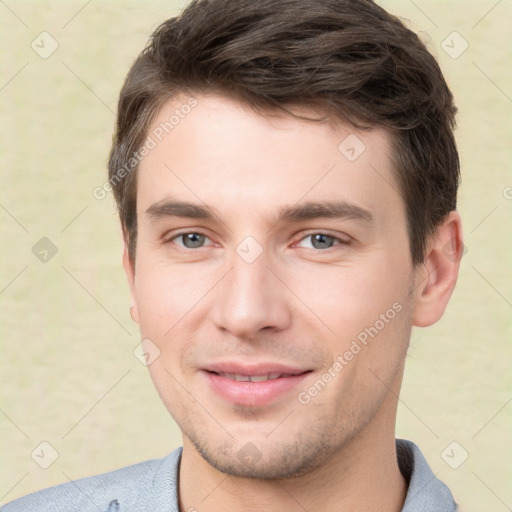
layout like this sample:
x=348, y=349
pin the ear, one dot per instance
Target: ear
x=436, y=277
x=129, y=268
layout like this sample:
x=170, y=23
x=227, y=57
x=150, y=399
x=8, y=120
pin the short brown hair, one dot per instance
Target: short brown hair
x=347, y=58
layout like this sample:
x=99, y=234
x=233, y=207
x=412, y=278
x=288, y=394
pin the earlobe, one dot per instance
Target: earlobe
x=129, y=268
x=437, y=276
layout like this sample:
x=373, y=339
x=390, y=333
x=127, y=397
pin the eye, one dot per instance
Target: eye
x=322, y=241
x=190, y=240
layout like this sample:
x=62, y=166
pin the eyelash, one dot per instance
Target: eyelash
x=341, y=242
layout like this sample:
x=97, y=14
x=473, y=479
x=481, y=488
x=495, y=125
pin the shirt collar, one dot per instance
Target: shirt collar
x=426, y=493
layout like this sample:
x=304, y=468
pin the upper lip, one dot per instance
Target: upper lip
x=238, y=368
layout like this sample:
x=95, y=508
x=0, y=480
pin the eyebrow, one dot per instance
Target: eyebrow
x=170, y=208
x=304, y=211
x=329, y=209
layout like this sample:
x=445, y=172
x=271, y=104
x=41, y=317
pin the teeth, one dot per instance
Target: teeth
x=253, y=378
x=259, y=378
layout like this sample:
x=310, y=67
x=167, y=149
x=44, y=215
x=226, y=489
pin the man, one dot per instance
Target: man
x=286, y=176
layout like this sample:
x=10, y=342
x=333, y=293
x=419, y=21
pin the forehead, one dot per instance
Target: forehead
x=211, y=149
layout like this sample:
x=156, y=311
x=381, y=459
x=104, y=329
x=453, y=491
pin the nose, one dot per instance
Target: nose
x=250, y=298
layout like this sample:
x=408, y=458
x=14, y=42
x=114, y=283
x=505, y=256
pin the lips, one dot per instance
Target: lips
x=254, y=384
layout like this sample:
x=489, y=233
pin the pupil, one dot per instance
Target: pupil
x=192, y=240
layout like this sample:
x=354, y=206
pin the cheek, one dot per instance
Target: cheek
x=165, y=296
x=166, y=307
x=153, y=305
x=348, y=299
x=171, y=304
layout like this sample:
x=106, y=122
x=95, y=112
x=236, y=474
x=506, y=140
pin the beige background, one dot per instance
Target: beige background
x=68, y=374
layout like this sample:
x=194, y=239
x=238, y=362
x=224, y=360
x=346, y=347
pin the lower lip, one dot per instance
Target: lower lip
x=253, y=393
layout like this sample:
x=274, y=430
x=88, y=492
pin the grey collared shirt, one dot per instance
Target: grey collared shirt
x=152, y=486
x=426, y=493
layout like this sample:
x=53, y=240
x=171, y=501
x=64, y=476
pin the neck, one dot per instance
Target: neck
x=363, y=475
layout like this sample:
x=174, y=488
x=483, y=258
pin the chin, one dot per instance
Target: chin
x=257, y=457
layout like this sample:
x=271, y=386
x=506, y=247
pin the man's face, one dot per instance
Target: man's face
x=253, y=278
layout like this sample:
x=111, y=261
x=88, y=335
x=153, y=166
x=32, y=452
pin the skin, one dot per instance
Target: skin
x=297, y=303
